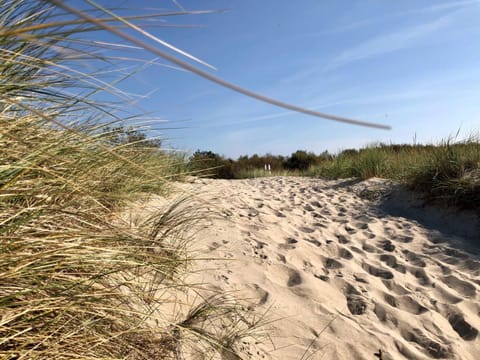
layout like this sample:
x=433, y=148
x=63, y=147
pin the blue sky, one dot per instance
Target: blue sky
x=414, y=65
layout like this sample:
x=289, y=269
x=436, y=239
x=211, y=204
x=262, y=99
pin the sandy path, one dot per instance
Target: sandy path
x=344, y=277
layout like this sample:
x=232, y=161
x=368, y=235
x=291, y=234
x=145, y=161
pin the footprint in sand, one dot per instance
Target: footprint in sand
x=326, y=212
x=289, y=244
x=405, y=303
x=321, y=225
x=445, y=295
x=369, y=235
x=214, y=246
x=308, y=208
x=386, y=245
x=420, y=274
x=429, y=346
x=361, y=278
x=399, y=226
x=413, y=258
x=471, y=266
x=362, y=226
x=313, y=241
x=357, y=250
x=291, y=240
x=322, y=277
x=462, y=287
x=369, y=248
x=260, y=294
x=350, y=229
x=389, y=231
x=306, y=230
x=403, y=239
x=445, y=269
x=294, y=279
x=281, y=258
x=376, y=271
x=332, y=264
x=253, y=212
x=356, y=303
x=391, y=261
x=396, y=288
x=464, y=329
x=455, y=253
x=342, y=239
x=383, y=314
x=284, y=275
x=345, y=254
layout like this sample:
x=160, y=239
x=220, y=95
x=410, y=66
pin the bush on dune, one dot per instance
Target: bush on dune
x=300, y=160
x=210, y=164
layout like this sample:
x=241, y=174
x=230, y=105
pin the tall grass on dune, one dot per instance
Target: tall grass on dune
x=77, y=279
x=448, y=171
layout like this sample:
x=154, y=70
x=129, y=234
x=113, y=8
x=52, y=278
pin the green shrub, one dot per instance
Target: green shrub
x=300, y=160
x=207, y=163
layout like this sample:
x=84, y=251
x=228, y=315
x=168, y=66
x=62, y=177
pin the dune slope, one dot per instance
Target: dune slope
x=344, y=277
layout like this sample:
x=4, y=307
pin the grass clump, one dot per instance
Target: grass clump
x=78, y=279
x=447, y=172
x=451, y=173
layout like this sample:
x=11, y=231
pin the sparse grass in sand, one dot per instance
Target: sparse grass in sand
x=76, y=279
x=448, y=171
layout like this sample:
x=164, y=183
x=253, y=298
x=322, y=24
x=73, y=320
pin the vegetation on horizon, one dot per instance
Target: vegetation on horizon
x=448, y=171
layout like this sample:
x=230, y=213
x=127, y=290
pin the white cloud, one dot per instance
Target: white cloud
x=390, y=42
x=440, y=7
x=455, y=5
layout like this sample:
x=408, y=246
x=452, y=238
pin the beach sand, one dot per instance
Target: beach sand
x=346, y=268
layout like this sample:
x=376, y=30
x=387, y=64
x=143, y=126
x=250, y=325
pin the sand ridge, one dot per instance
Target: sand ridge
x=343, y=277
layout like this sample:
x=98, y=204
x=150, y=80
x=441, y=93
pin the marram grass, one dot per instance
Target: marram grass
x=77, y=280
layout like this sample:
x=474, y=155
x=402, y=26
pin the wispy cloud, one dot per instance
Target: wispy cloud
x=440, y=7
x=436, y=8
x=390, y=42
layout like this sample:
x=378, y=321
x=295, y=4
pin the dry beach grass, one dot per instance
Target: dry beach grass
x=77, y=278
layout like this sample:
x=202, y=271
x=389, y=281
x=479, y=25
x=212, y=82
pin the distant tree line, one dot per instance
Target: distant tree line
x=210, y=164
x=217, y=166
x=121, y=135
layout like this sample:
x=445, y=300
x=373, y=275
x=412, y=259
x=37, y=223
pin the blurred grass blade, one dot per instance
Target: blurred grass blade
x=148, y=35
x=213, y=78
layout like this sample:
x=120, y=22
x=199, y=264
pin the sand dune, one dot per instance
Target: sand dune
x=348, y=268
